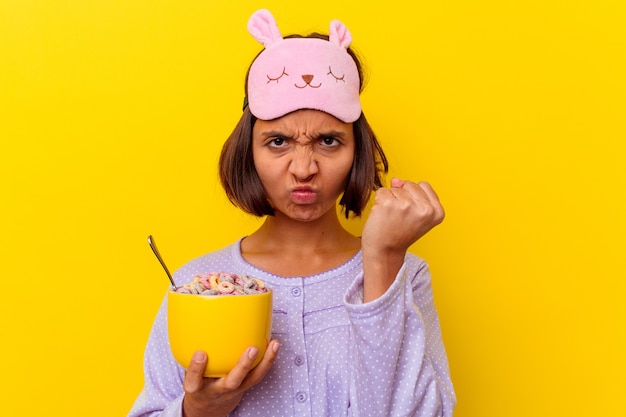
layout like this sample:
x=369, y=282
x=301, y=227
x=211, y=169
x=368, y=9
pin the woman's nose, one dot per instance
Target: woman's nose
x=303, y=165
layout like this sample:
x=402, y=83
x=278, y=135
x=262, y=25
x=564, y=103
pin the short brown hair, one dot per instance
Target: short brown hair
x=244, y=188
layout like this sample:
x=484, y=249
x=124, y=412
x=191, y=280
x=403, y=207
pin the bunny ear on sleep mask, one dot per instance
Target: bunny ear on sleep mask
x=302, y=73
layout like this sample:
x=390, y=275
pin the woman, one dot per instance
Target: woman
x=355, y=331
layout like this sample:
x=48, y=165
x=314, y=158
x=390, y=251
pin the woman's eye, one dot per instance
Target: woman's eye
x=277, y=142
x=329, y=141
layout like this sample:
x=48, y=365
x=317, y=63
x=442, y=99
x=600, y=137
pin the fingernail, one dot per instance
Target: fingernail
x=275, y=347
x=252, y=352
x=198, y=356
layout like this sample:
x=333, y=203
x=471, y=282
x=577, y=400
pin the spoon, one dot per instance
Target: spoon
x=156, y=253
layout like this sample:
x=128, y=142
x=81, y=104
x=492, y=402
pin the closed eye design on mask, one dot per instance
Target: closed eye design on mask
x=270, y=79
x=330, y=72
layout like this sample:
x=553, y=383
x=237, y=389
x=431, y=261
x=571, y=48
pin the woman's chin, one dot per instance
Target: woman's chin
x=304, y=212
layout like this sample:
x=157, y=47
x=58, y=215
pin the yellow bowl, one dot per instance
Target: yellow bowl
x=223, y=326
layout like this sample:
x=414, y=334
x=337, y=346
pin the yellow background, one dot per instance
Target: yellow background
x=112, y=114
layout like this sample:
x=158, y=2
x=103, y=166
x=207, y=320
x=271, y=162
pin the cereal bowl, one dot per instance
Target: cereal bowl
x=223, y=326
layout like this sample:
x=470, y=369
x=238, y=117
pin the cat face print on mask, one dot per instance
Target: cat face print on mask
x=302, y=73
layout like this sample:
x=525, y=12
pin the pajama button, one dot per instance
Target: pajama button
x=299, y=360
x=295, y=291
x=301, y=396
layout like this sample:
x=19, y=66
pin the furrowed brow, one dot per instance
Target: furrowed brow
x=331, y=133
x=276, y=134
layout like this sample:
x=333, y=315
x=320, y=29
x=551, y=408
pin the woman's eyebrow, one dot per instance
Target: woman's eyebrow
x=275, y=134
x=332, y=133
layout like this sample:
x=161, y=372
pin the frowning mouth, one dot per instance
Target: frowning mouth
x=303, y=195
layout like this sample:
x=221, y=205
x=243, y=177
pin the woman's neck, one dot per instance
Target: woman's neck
x=325, y=232
x=281, y=245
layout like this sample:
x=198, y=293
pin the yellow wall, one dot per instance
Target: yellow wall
x=112, y=113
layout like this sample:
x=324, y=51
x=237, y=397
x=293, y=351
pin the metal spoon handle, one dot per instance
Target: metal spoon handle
x=158, y=255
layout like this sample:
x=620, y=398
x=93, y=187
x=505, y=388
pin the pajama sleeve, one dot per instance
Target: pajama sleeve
x=400, y=366
x=162, y=393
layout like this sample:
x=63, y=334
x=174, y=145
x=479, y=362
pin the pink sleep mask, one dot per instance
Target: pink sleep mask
x=302, y=73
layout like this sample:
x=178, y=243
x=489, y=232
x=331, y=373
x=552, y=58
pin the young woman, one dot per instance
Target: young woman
x=355, y=331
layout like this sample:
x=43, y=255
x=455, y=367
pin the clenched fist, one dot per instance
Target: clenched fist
x=400, y=216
